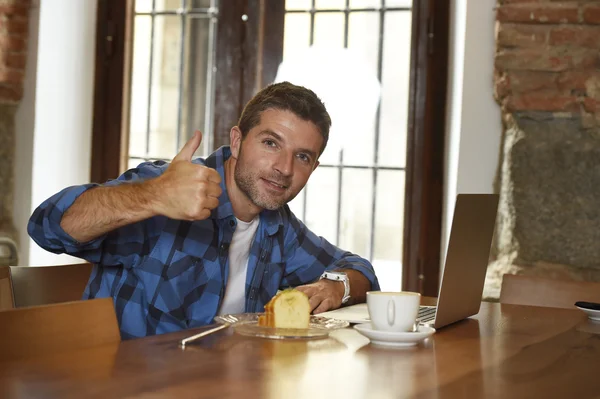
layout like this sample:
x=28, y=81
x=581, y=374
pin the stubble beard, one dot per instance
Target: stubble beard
x=247, y=181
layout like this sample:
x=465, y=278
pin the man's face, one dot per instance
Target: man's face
x=276, y=158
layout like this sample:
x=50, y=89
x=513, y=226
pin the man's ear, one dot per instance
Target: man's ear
x=316, y=164
x=235, y=138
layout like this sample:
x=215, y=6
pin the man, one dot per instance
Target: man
x=176, y=244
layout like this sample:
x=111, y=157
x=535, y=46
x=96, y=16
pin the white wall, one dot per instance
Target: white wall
x=55, y=119
x=474, y=126
x=24, y=127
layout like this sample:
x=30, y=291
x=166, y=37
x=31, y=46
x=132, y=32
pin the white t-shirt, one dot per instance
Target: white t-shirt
x=235, y=294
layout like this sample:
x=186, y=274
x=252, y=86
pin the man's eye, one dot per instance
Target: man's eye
x=304, y=157
x=270, y=143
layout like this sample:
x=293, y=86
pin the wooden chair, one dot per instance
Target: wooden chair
x=49, y=329
x=6, y=294
x=537, y=291
x=43, y=285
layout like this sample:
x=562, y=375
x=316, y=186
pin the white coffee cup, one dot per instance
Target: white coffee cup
x=393, y=311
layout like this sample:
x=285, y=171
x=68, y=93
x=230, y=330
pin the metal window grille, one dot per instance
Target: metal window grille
x=208, y=9
x=382, y=11
x=185, y=11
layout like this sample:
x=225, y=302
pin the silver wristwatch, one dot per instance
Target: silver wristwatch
x=339, y=276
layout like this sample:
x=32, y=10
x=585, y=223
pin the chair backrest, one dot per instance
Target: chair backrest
x=43, y=330
x=43, y=285
x=546, y=292
x=6, y=293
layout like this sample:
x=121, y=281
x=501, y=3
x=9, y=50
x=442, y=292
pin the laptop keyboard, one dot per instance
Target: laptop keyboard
x=426, y=314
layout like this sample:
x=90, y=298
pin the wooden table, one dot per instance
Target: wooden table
x=506, y=351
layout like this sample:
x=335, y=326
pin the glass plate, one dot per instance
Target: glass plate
x=247, y=324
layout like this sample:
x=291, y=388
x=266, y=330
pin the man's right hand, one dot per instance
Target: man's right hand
x=187, y=191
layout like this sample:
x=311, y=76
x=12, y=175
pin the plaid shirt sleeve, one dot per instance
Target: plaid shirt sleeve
x=307, y=256
x=119, y=247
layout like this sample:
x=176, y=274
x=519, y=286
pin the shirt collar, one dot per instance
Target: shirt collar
x=216, y=160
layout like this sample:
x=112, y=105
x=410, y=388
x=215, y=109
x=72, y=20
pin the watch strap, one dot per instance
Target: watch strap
x=339, y=276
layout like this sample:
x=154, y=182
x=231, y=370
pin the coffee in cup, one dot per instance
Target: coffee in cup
x=393, y=311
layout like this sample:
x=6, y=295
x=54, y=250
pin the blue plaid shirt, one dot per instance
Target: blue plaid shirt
x=166, y=275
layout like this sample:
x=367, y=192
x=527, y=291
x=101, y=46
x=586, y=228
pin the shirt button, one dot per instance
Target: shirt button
x=231, y=223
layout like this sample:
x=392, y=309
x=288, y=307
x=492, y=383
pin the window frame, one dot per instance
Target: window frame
x=424, y=193
x=111, y=101
x=248, y=54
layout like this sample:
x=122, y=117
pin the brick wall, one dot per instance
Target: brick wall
x=547, y=83
x=548, y=56
x=14, y=15
x=13, y=48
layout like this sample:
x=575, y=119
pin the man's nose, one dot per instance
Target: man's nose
x=285, y=163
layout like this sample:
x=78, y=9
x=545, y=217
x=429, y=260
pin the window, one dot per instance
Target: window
x=356, y=55
x=172, y=79
x=168, y=67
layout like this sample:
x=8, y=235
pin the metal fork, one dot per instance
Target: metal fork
x=203, y=334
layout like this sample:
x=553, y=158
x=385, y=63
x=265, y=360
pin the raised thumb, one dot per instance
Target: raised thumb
x=188, y=150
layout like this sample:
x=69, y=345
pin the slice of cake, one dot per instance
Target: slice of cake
x=288, y=309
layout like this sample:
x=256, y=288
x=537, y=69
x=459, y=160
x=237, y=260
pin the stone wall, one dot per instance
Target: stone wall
x=547, y=82
x=13, y=54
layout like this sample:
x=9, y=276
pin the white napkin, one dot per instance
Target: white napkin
x=352, y=314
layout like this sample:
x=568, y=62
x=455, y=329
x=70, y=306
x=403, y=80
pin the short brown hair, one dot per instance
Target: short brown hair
x=286, y=96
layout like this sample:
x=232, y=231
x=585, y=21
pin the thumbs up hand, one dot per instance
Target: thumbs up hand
x=187, y=191
x=188, y=150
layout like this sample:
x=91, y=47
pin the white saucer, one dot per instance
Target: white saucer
x=593, y=315
x=396, y=339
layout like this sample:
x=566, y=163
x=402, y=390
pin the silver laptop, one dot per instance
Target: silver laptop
x=465, y=267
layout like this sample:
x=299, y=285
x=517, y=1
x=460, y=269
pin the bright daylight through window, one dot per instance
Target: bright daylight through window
x=355, y=54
